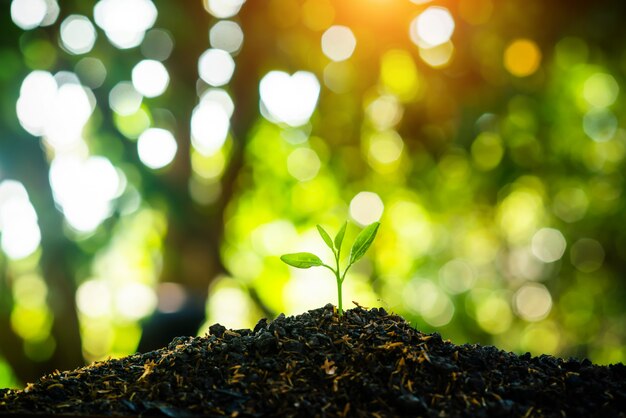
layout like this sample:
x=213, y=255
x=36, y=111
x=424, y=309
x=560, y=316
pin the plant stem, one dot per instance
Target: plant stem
x=339, y=281
x=339, y=307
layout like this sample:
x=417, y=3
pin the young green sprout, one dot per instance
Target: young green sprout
x=360, y=246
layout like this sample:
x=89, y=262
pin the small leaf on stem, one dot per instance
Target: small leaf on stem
x=302, y=260
x=363, y=242
x=340, y=235
x=325, y=236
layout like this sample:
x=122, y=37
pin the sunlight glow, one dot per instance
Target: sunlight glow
x=434, y=26
x=289, y=99
x=209, y=127
x=216, y=67
x=338, y=43
x=78, y=34
x=150, y=78
x=28, y=14
x=18, y=221
x=156, y=148
x=366, y=207
x=226, y=35
x=125, y=21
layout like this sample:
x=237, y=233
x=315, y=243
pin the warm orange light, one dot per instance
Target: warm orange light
x=522, y=57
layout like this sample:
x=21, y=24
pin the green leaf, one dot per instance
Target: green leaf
x=340, y=235
x=302, y=260
x=363, y=241
x=325, y=236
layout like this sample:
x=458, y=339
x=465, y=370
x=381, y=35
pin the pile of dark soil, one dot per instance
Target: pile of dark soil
x=367, y=364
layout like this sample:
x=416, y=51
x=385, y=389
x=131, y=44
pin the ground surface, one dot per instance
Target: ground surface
x=368, y=364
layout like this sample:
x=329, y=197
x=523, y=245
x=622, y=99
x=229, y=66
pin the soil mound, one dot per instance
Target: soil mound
x=367, y=363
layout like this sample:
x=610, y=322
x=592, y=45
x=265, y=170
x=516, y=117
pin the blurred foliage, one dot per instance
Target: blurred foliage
x=157, y=156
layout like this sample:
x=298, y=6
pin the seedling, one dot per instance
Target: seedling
x=360, y=246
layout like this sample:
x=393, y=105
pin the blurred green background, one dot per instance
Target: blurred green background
x=156, y=158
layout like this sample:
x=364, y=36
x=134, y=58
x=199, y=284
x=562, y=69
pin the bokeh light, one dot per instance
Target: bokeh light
x=28, y=14
x=289, y=99
x=433, y=27
x=303, y=164
x=18, y=221
x=223, y=9
x=134, y=301
x=221, y=98
x=57, y=108
x=156, y=148
x=338, y=43
x=91, y=72
x=457, y=276
x=78, y=34
x=85, y=189
x=125, y=21
x=150, y=78
x=209, y=127
x=94, y=299
x=439, y=56
x=226, y=35
x=124, y=98
x=399, y=75
x=37, y=94
x=366, y=207
x=587, y=255
x=601, y=90
x=600, y=124
x=429, y=301
x=548, y=245
x=216, y=67
x=522, y=57
x=532, y=302
x=157, y=45
x=570, y=204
